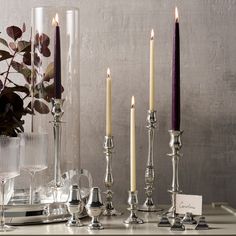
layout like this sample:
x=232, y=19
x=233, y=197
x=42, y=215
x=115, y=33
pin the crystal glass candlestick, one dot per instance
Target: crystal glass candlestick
x=43, y=86
x=175, y=145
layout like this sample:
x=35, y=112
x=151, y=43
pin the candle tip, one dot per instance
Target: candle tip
x=152, y=34
x=176, y=14
x=132, y=102
x=108, y=72
x=55, y=20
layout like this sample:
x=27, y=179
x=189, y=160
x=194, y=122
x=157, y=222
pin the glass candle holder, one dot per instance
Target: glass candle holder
x=42, y=81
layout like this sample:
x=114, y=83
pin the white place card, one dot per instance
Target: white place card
x=188, y=203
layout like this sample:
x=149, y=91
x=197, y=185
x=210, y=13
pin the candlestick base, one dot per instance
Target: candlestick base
x=149, y=206
x=133, y=202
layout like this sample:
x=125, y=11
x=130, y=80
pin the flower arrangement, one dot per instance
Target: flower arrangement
x=20, y=92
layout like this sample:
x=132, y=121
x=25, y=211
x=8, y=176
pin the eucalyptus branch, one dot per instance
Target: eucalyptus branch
x=8, y=69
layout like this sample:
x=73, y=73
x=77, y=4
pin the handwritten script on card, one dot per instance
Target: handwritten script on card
x=188, y=203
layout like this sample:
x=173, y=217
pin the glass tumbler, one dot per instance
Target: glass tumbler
x=33, y=156
x=9, y=168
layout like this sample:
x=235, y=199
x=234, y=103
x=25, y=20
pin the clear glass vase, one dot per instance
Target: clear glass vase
x=42, y=82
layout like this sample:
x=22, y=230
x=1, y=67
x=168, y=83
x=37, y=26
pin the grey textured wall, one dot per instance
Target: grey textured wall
x=116, y=34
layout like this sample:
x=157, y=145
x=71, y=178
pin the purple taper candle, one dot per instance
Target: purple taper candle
x=57, y=59
x=176, y=76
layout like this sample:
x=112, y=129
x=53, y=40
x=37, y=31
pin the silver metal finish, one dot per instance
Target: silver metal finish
x=177, y=225
x=188, y=219
x=175, y=145
x=133, y=202
x=164, y=222
x=57, y=113
x=75, y=206
x=149, y=205
x=26, y=214
x=109, y=208
x=95, y=208
x=202, y=224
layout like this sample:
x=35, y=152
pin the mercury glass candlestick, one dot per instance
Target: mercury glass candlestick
x=109, y=208
x=175, y=145
x=149, y=205
x=57, y=113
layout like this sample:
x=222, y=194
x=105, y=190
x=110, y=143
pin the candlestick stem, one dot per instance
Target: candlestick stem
x=57, y=113
x=109, y=208
x=149, y=205
x=175, y=145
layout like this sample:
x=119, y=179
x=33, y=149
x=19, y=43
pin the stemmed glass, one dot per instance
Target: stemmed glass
x=33, y=156
x=9, y=168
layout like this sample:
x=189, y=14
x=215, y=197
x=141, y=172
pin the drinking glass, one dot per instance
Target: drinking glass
x=9, y=168
x=33, y=156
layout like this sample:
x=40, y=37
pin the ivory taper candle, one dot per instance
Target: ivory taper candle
x=108, y=104
x=132, y=147
x=152, y=82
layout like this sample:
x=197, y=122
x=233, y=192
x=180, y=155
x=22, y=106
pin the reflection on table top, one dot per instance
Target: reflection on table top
x=222, y=221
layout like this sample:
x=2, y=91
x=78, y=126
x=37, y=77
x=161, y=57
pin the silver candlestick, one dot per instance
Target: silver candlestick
x=109, y=208
x=57, y=113
x=175, y=145
x=149, y=205
x=133, y=202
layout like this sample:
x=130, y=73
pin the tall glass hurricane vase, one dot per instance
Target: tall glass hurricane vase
x=42, y=59
x=9, y=168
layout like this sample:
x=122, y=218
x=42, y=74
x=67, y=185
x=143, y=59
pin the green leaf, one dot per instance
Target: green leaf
x=14, y=32
x=4, y=55
x=49, y=73
x=24, y=46
x=41, y=107
x=4, y=42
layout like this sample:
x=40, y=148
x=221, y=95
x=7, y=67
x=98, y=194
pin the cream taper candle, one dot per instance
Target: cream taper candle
x=108, y=104
x=152, y=82
x=132, y=147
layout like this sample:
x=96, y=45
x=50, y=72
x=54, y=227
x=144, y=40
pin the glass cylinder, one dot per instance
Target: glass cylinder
x=42, y=81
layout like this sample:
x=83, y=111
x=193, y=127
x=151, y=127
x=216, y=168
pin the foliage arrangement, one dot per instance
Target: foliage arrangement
x=24, y=88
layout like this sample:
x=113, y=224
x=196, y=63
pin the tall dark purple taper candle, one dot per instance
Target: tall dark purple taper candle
x=176, y=76
x=57, y=60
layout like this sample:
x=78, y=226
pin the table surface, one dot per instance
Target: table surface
x=222, y=221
